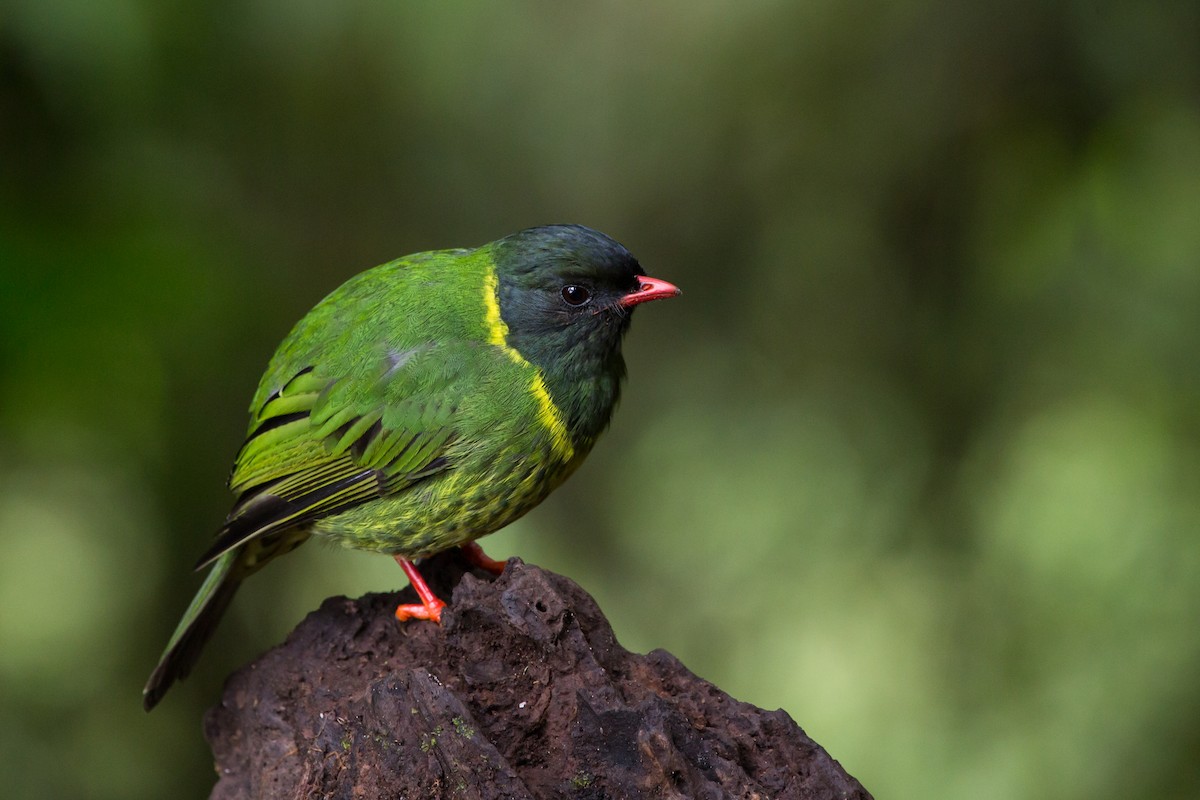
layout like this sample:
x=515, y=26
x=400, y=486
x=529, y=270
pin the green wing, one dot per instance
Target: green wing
x=319, y=445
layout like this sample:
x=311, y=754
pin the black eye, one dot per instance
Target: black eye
x=576, y=295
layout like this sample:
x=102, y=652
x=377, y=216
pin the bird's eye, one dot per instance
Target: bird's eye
x=576, y=295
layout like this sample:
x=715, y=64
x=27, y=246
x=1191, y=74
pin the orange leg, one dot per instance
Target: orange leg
x=430, y=606
x=478, y=558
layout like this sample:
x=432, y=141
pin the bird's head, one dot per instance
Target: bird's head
x=570, y=286
x=566, y=294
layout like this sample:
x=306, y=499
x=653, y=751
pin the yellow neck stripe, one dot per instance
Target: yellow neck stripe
x=547, y=413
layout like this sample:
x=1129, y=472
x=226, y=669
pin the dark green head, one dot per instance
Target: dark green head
x=566, y=294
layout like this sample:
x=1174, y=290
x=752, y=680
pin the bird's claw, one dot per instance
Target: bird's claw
x=432, y=611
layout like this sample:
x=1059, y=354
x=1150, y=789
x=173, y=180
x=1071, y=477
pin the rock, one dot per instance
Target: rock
x=522, y=692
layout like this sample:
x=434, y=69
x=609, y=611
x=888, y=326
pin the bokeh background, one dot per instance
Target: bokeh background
x=916, y=457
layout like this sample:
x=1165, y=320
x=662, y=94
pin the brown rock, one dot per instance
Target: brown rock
x=522, y=692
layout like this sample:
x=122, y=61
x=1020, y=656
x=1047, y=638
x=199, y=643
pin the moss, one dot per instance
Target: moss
x=462, y=728
x=429, y=740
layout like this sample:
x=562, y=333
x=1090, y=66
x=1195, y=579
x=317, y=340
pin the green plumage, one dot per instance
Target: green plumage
x=423, y=404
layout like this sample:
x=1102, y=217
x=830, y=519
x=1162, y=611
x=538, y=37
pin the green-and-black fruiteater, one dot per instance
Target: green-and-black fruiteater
x=423, y=404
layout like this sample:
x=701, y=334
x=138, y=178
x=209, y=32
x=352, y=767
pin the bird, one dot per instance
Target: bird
x=421, y=405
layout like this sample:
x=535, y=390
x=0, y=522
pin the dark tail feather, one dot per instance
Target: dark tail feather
x=197, y=625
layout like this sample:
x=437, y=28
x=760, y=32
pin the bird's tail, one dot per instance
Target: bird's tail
x=197, y=625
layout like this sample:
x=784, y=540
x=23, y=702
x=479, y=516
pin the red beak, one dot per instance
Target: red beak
x=649, y=289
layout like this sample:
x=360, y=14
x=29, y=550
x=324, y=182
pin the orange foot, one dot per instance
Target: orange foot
x=478, y=558
x=430, y=606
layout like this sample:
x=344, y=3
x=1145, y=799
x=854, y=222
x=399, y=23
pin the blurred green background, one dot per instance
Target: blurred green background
x=916, y=457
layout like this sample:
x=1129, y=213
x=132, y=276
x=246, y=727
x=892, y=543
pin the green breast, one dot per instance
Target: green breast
x=503, y=459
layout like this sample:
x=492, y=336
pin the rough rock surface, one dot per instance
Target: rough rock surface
x=522, y=692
